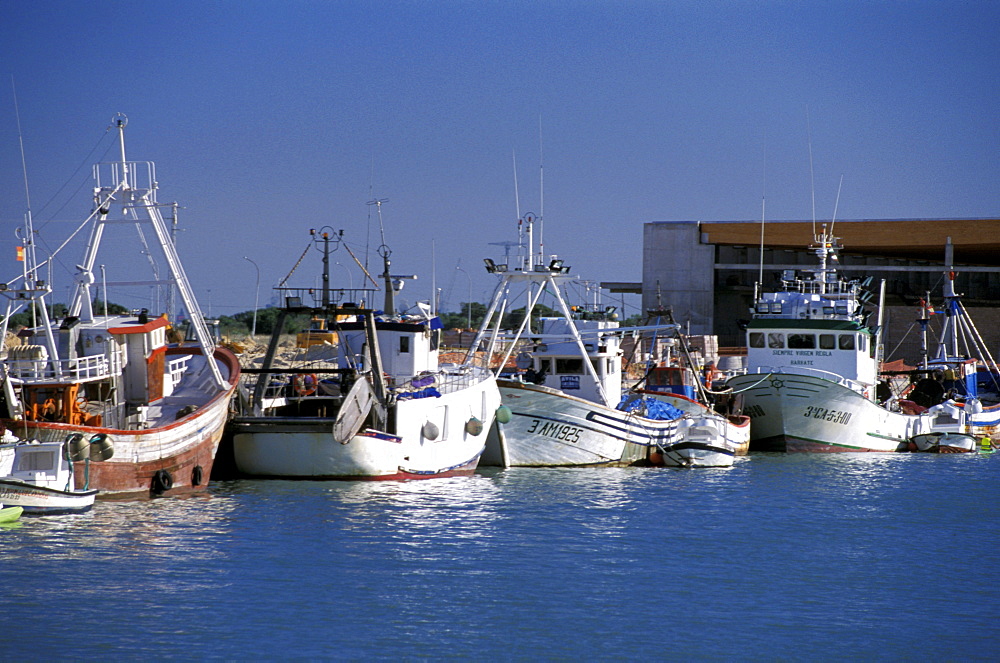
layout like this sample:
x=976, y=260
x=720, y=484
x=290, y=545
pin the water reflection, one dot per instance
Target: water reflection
x=509, y=563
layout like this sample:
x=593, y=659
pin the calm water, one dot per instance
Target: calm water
x=795, y=557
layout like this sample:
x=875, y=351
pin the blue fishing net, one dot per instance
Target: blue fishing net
x=650, y=408
x=429, y=392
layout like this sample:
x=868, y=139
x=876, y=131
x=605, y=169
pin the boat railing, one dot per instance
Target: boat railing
x=450, y=378
x=344, y=298
x=137, y=175
x=850, y=383
x=78, y=369
x=176, y=369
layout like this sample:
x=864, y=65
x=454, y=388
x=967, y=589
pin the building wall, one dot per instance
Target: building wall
x=679, y=263
x=681, y=270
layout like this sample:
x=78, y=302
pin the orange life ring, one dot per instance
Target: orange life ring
x=305, y=384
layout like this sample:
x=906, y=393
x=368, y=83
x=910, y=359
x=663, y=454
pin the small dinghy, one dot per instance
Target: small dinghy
x=9, y=514
x=38, y=476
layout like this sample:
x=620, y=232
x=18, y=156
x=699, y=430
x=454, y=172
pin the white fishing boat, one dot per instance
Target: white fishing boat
x=812, y=368
x=563, y=411
x=153, y=410
x=382, y=407
x=38, y=476
x=709, y=438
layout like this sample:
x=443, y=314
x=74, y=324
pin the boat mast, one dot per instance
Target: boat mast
x=33, y=289
x=124, y=181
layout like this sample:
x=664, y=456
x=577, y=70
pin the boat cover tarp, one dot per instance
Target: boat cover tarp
x=429, y=392
x=650, y=408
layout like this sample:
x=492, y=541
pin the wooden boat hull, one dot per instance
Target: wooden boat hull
x=549, y=428
x=166, y=460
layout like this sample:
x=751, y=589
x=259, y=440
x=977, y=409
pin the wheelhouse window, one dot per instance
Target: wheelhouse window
x=570, y=366
x=775, y=340
x=846, y=341
x=756, y=340
x=801, y=341
x=404, y=344
x=827, y=342
x=862, y=342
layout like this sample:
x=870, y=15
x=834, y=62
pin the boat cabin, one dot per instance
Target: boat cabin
x=672, y=380
x=408, y=345
x=558, y=363
x=39, y=464
x=105, y=367
x=840, y=348
x=815, y=324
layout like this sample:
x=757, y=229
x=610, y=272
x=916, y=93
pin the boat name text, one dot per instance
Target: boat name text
x=802, y=353
x=560, y=432
x=833, y=416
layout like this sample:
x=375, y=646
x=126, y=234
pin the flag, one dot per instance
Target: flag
x=20, y=254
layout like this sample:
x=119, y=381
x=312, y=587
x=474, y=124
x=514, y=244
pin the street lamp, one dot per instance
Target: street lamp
x=256, y=293
x=469, y=303
x=349, y=274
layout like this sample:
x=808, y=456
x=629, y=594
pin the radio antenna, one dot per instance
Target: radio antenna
x=517, y=197
x=763, y=198
x=541, y=193
x=836, y=205
x=812, y=179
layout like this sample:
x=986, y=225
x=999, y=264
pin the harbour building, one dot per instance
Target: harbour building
x=705, y=271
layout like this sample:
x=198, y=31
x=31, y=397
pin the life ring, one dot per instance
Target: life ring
x=162, y=482
x=305, y=384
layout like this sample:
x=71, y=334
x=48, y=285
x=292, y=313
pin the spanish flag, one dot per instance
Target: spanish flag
x=20, y=254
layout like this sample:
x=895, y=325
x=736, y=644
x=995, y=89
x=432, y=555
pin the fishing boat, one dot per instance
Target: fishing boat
x=563, y=410
x=381, y=407
x=710, y=438
x=38, y=476
x=9, y=514
x=812, y=380
x=150, y=412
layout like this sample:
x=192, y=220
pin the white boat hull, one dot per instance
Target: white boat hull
x=304, y=447
x=707, y=439
x=549, y=428
x=43, y=500
x=945, y=443
x=794, y=413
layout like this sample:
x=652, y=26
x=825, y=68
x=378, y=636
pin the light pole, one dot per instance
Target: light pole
x=256, y=293
x=349, y=274
x=469, y=303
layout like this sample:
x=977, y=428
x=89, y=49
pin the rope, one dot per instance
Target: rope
x=296, y=266
x=753, y=385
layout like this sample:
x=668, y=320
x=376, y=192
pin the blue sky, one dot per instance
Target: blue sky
x=268, y=118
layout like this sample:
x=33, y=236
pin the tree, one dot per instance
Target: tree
x=31, y=316
x=513, y=319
